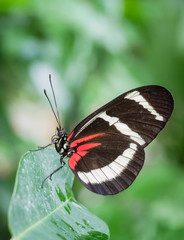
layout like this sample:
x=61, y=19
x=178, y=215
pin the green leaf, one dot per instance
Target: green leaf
x=51, y=212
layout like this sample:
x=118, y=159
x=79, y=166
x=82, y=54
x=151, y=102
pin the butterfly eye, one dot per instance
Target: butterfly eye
x=55, y=140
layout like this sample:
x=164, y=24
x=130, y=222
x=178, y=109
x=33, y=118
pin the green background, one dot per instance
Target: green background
x=95, y=50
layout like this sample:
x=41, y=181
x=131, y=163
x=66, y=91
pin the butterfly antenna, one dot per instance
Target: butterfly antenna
x=55, y=100
x=52, y=107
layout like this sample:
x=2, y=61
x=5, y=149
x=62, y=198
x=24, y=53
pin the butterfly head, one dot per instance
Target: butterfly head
x=60, y=141
x=60, y=132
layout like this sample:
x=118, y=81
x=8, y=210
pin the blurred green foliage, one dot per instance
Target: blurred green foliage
x=95, y=50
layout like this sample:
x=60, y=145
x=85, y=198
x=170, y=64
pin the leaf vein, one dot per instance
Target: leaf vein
x=19, y=236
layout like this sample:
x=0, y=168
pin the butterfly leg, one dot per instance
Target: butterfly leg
x=41, y=148
x=62, y=162
x=62, y=165
x=50, y=176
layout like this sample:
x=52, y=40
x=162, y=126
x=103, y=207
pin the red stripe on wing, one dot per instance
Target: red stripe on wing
x=85, y=139
x=80, y=153
x=87, y=146
x=75, y=158
x=71, y=134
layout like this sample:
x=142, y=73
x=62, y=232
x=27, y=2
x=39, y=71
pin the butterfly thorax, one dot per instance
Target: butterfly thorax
x=60, y=141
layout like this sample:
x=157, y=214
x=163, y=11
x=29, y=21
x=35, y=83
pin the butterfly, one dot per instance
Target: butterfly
x=106, y=149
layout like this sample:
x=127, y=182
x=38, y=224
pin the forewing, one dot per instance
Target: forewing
x=139, y=114
x=106, y=163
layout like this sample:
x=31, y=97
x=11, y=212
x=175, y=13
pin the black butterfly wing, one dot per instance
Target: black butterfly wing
x=143, y=112
x=135, y=117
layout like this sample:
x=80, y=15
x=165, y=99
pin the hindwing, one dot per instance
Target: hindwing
x=107, y=163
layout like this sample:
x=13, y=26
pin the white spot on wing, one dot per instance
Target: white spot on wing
x=116, y=167
x=111, y=171
x=102, y=115
x=137, y=97
x=133, y=146
x=83, y=177
x=127, y=155
x=122, y=127
x=109, y=119
x=91, y=177
x=100, y=176
x=122, y=160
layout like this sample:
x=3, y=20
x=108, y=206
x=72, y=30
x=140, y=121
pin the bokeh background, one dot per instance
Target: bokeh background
x=95, y=51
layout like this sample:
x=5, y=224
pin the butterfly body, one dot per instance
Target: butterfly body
x=106, y=149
